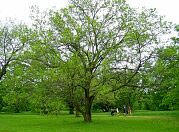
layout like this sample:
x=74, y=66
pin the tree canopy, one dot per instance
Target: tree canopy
x=90, y=55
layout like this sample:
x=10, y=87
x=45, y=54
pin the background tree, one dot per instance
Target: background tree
x=161, y=80
x=12, y=41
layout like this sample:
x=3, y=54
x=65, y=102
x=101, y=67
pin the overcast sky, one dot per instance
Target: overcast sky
x=19, y=9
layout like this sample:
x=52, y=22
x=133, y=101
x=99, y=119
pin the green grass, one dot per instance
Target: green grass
x=140, y=121
x=156, y=113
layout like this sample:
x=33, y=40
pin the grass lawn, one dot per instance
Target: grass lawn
x=140, y=121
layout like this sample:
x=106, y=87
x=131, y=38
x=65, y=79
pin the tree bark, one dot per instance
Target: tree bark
x=87, y=107
x=77, y=113
x=3, y=71
x=71, y=111
x=129, y=110
x=71, y=108
x=87, y=112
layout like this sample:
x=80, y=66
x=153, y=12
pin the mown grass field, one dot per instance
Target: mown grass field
x=140, y=121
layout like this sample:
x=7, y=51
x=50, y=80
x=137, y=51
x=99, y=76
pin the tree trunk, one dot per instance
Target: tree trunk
x=87, y=107
x=87, y=112
x=87, y=116
x=71, y=111
x=129, y=110
x=71, y=108
x=77, y=113
x=3, y=71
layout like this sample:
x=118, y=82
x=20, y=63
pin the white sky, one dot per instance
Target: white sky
x=19, y=9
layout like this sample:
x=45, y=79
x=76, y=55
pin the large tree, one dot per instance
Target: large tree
x=105, y=31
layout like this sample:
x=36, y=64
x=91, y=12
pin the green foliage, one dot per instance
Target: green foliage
x=45, y=104
x=104, y=102
x=101, y=51
x=163, y=81
x=15, y=102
